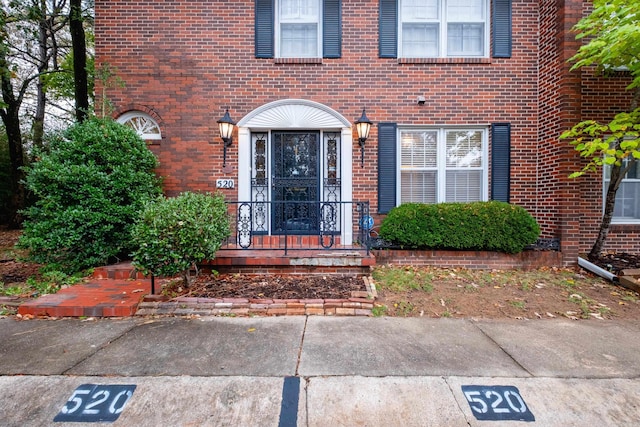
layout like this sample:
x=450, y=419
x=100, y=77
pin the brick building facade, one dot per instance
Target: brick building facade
x=474, y=115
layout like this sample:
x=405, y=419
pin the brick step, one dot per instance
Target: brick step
x=295, y=262
x=96, y=298
x=121, y=271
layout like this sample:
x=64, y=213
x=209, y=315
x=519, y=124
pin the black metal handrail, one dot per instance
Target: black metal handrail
x=297, y=225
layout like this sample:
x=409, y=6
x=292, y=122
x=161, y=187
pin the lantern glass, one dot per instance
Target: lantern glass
x=363, y=130
x=225, y=124
x=363, y=126
x=226, y=129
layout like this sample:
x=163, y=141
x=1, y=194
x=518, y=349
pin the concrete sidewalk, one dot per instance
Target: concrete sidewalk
x=323, y=371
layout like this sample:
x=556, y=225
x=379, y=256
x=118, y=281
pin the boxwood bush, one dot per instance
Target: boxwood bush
x=173, y=235
x=90, y=186
x=488, y=226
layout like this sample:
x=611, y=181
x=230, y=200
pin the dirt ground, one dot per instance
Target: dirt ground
x=536, y=294
x=402, y=291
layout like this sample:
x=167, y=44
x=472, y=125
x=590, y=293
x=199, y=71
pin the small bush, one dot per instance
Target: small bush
x=489, y=226
x=175, y=234
x=90, y=187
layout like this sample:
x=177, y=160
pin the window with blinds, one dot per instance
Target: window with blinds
x=442, y=165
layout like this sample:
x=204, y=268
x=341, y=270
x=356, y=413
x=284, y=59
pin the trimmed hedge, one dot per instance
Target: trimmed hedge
x=91, y=186
x=486, y=226
x=173, y=235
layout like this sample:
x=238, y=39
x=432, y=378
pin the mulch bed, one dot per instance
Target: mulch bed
x=269, y=287
x=615, y=262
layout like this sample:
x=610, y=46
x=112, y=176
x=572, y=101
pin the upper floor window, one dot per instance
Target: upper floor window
x=441, y=28
x=298, y=28
x=444, y=28
x=142, y=123
x=442, y=165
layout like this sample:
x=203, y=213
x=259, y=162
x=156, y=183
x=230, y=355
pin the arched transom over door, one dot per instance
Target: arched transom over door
x=299, y=154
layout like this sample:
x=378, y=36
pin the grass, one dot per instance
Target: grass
x=50, y=283
x=379, y=310
x=403, y=279
x=404, y=308
x=518, y=304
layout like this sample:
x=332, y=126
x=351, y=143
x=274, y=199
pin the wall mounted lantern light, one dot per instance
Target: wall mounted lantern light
x=363, y=125
x=225, y=124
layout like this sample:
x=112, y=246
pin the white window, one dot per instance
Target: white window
x=443, y=28
x=298, y=29
x=627, y=207
x=142, y=123
x=442, y=165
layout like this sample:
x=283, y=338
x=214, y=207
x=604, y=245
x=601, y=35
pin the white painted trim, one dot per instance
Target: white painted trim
x=346, y=174
x=298, y=114
x=134, y=114
x=244, y=165
x=294, y=114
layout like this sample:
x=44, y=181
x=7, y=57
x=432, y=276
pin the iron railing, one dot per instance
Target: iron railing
x=298, y=225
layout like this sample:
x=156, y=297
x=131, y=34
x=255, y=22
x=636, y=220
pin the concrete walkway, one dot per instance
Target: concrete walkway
x=320, y=371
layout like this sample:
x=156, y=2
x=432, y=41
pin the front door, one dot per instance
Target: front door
x=295, y=182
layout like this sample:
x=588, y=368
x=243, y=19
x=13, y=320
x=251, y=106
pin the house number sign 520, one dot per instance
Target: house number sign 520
x=497, y=403
x=92, y=403
x=225, y=183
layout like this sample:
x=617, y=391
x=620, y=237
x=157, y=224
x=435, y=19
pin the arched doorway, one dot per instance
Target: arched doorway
x=295, y=165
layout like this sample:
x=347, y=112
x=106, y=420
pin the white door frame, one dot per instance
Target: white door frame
x=297, y=114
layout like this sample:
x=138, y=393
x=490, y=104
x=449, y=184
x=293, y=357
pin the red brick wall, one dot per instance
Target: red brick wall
x=479, y=260
x=184, y=61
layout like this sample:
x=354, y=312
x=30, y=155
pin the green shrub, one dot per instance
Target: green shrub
x=490, y=226
x=90, y=186
x=175, y=234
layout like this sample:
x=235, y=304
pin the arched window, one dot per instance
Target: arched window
x=142, y=123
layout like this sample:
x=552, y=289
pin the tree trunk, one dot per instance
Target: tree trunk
x=617, y=174
x=37, y=128
x=79, y=60
x=11, y=119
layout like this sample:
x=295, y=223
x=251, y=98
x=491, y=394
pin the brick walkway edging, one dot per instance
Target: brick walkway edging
x=360, y=304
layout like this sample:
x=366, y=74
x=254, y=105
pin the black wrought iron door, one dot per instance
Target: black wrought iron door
x=295, y=182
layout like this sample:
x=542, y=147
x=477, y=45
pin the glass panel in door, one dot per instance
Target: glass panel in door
x=295, y=182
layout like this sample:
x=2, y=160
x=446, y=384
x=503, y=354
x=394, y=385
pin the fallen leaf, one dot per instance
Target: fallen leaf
x=251, y=330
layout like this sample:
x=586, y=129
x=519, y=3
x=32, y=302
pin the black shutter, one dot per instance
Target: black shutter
x=501, y=42
x=387, y=171
x=388, y=29
x=331, y=29
x=500, y=161
x=264, y=28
